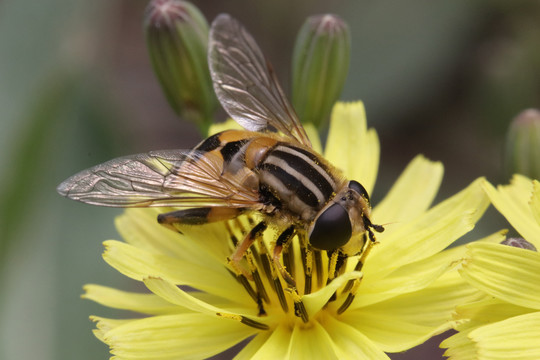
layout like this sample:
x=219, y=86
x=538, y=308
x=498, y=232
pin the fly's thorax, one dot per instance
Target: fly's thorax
x=257, y=150
x=235, y=152
x=221, y=141
x=345, y=217
x=227, y=149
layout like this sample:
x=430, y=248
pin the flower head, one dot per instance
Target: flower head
x=522, y=151
x=177, y=40
x=404, y=293
x=320, y=65
x=505, y=323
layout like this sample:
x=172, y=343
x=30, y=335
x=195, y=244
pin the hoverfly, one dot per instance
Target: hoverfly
x=269, y=168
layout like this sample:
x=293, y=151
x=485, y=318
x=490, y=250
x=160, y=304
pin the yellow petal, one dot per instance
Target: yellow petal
x=315, y=301
x=313, y=136
x=416, y=275
x=177, y=296
x=412, y=194
x=406, y=279
x=535, y=201
x=118, y=299
x=352, y=343
x=388, y=333
x=173, y=294
x=312, y=342
x=505, y=272
x=488, y=311
x=520, y=185
x=431, y=306
x=139, y=264
x=104, y=325
x=249, y=351
x=140, y=228
x=428, y=234
x=460, y=347
x=182, y=336
x=408, y=320
x=350, y=146
x=459, y=252
x=513, y=202
x=229, y=124
x=276, y=345
x=515, y=338
x=199, y=244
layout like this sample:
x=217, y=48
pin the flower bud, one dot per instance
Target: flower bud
x=519, y=243
x=523, y=145
x=177, y=40
x=320, y=65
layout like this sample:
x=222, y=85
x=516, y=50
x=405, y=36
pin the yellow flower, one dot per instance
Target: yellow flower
x=407, y=291
x=505, y=324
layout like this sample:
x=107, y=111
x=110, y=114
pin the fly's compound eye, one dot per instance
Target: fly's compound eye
x=356, y=186
x=332, y=229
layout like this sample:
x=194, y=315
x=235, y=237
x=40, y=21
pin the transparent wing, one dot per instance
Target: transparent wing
x=246, y=84
x=177, y=178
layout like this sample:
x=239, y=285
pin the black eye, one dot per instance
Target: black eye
x=356, y=186
x=332, y=229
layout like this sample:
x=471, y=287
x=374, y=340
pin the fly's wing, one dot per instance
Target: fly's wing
x=245, y=83
x=176, y=178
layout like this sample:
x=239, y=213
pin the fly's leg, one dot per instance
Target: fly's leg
x=242, y=248
x=352, y=285
x=282, y=240
x=198, y=216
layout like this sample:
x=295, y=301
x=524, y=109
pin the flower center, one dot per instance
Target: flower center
x=307, y=271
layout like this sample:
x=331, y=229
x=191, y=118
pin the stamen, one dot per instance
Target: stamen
x=245, y=283
x=264, y=260
x=288, y=259
x=332, y=266
x=348, y=286
x=260, y=305
x=244, y=320
x=308, y=269
x=254, y=324
x=332, y=273
x=232, y=237
x=303, y=254
x=319, y=268
x=340, y=264
x=260, y=285
x=348, y=301
x=299, y=308
x=332, y=298
x=251, y=221
x=241, y=226
x=281, y=294
x=266, y=263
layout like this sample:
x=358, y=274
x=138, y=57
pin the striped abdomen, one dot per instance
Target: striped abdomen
x=298, y=179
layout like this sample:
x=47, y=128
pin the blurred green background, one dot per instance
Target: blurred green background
x=442, y=78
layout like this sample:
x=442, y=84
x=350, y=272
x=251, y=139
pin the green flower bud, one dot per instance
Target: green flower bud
x=523, y=145
x=177, y=40
x=320, y=65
